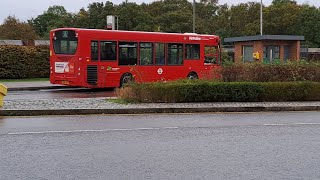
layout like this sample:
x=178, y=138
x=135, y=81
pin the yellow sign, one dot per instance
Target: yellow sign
x=256, y=55
x=3, y=92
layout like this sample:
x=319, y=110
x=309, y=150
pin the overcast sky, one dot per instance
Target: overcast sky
x=26, y=9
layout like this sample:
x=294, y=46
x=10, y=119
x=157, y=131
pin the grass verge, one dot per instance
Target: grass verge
x=24, y=80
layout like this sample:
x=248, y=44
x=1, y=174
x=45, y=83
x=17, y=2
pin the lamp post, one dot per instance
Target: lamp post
x=261, y=32
x=194, y=15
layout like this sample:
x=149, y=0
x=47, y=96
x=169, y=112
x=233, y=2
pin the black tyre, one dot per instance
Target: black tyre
x=125, y=79
x=192, y=75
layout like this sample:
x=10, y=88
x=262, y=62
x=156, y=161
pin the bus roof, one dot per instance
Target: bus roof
x=137, y=32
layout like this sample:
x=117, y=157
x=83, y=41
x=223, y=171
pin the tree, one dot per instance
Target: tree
x=54, y=17
x=244, y=19
x=275, y=2
x=12, y=28
x=308, y=25
x=280, y=19
x=134, y=17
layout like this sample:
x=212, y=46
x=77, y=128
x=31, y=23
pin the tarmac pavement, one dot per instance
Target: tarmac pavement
x=76, y=106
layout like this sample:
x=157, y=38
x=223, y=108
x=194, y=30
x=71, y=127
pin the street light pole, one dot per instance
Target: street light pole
x=194, y=16
x=261, y=33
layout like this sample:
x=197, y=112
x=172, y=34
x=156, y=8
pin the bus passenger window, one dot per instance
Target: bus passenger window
x=175, y=54
x=127, y=53
x=94, y=50
x=192, y=51
x=146, y=54
x=211, y=55
x=159, y=47
x=108, y=50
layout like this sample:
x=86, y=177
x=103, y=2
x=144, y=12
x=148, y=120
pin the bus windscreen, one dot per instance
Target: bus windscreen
x=65, y=42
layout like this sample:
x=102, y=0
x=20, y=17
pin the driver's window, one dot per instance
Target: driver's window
x=211, y=55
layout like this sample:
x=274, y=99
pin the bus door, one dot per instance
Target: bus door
x=93, y=64
x=108, y=70
x=103, y=56
x=211, y=59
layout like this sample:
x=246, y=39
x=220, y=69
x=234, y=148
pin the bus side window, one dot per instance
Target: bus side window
x=211, y=54
x=128, y=53
x=108, y=50
x=146, y=54
x=192, y=51
x=94, y=51
x=175, y=54
x=160, y=58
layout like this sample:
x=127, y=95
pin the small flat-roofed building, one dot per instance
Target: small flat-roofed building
x=11, y=42
x=266, y=48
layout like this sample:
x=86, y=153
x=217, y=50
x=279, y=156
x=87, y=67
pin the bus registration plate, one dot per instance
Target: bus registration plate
x=65, y=82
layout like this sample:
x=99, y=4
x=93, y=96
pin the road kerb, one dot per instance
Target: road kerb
x=153, y=110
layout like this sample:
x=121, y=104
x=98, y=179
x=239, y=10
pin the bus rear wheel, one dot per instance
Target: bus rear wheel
x=192, y=75
x=125, y=79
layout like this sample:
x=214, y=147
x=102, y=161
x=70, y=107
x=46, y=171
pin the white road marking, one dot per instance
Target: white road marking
x=93, y=130
x=275, y=124
x=306, y=123
x=291, y=124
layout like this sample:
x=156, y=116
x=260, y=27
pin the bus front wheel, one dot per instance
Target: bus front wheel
x=125, y=79
x=192, y=75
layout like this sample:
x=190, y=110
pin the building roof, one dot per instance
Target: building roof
x=11, y=42
x=41, y=42
x=264, y=37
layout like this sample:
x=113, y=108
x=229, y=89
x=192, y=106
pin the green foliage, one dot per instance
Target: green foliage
x=205, y=91
x=291, y=91
x=190, y=91
x=12, y=28
x=258, y=72
x=18, y=62
x=54, y=17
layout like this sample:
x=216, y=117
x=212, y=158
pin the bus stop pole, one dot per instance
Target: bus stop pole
x=261, y=32
x=194, y=16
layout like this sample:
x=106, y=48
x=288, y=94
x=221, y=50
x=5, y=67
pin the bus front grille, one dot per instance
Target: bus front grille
x=92, y=75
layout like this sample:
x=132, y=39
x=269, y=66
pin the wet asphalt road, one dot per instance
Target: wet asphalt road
x=60, y=93
x=282, y=145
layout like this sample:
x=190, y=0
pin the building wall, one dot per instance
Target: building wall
x=258, y=46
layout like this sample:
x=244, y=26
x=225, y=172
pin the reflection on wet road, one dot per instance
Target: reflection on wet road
x=60, y=93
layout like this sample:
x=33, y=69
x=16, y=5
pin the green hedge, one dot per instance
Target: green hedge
x=24, y=62
x=281, y=71
x=205, y=91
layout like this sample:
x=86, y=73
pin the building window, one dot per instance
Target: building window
x=159, y=47
x=108, y=50
x=192, y=51
x=146, y=54
x=127, y=53
x=271, y=53
x=175, y=54
x=247, y=53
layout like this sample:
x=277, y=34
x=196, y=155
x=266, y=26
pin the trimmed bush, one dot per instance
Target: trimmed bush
x=283, y=72
x=24, y=62
x=206, y=91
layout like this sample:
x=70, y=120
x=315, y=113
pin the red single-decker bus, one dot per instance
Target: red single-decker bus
x=106, y=58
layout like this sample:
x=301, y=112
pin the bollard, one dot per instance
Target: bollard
x=3, y=92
